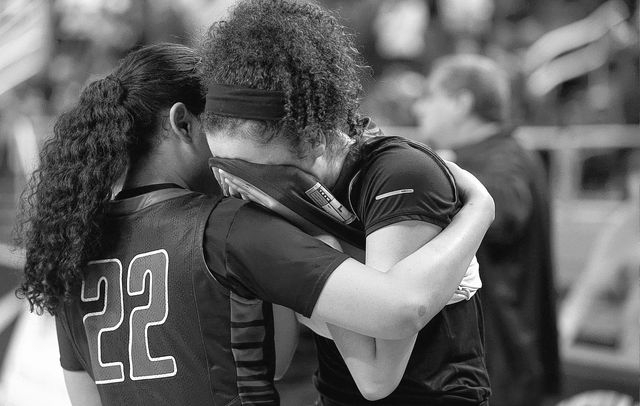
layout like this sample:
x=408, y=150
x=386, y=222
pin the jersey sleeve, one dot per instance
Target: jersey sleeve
x=68, y=358
x=259, y=254
x=404, y=183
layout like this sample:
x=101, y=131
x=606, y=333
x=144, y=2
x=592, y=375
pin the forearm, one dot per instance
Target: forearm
x=376, y=365
x=432, y=273
x=285, y=338
x=397, y=304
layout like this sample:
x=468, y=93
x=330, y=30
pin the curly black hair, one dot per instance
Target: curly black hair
x=295, y=47
x=115, y=122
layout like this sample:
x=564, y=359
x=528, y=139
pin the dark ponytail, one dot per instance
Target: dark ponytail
x=115, y=121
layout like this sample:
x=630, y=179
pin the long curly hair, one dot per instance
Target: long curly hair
x=294, y=47
x=115, y=122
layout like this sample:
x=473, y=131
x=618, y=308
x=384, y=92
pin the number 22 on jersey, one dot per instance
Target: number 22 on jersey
x=142, y=365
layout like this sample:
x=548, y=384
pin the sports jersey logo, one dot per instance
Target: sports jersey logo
x=325, y=200
x=394, y=193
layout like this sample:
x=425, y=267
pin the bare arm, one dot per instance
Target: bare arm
x=377, y=365
x=286, y=332
x=81, y=388
x=397, y=304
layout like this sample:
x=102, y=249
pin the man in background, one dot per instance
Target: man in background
x=465, y=108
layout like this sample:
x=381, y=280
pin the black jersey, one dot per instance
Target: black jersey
x=389, y=180
x=154, y=325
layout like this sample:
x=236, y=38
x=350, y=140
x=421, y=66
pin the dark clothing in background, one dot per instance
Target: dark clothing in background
x=516, y=269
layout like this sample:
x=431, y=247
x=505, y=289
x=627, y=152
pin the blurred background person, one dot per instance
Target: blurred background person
x=465, y=108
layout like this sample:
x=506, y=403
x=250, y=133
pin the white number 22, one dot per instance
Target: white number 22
x=142, y=365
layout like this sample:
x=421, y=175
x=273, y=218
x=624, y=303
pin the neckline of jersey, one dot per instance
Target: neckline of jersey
x=141, y=190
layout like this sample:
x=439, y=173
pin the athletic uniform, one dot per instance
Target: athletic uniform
x=389, y=180
x=174, y=308
x=386, y=180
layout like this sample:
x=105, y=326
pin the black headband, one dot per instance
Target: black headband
x=243, y=102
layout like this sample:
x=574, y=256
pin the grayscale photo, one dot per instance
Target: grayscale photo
x=320, y=202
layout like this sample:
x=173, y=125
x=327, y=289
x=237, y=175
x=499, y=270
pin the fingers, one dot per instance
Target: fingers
x=237, y=187
x=234, y=190
x=450, y=164
x=461, y=177
x=465, y=181
x=230, y=185
x=470, y=188
x=218, y=174
x=455, y=169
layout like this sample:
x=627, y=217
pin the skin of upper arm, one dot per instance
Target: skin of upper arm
x=390, y=244
x=386, y=247
x=286, y=332
x=81, y=388
x=346, y=301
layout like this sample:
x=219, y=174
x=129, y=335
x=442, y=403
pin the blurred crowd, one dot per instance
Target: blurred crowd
x=571, y=61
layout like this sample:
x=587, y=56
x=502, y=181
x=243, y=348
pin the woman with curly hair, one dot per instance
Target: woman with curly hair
x=78, y=239
x=162, y=293
x=282, y=116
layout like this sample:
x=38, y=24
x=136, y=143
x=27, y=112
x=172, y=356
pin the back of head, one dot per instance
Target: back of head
x=484, y=79
x=294, y=47
x=152, y=79
x=115, y=122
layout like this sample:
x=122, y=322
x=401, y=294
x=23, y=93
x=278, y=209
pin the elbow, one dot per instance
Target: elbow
x=379, y=382
x=406, y=323
x=410, y=325
x=417, y=313
x=376, y=389
x=404, y=318
x=373, y=394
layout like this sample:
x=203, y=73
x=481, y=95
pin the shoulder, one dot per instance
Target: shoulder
x=398, y=161
x=238, y=235
x=234, y=223
x=402, y=180
x=262, y=255
x=230, y=211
